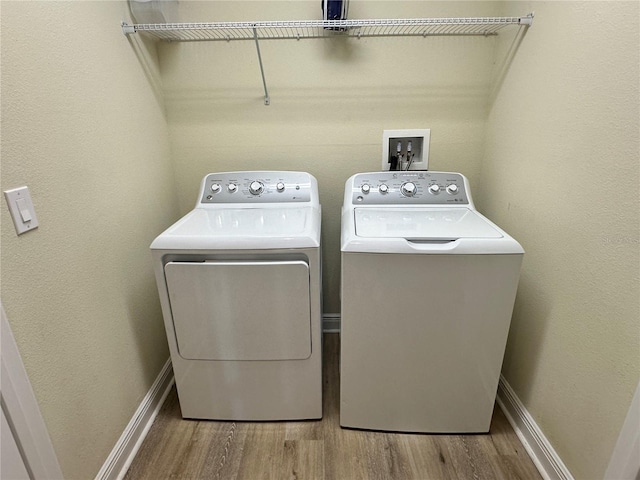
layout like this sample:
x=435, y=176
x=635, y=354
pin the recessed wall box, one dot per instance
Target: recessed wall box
x=406, y=149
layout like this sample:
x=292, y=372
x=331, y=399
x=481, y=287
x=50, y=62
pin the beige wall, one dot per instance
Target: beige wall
x=561, y=173
x=82, y=128
x=330, y=102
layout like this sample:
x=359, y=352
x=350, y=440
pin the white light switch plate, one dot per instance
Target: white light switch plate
x=21, y=208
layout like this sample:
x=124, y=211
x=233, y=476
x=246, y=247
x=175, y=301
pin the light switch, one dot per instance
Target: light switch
x=21, y=208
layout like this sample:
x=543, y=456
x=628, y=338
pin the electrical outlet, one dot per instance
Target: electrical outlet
x=406, y=149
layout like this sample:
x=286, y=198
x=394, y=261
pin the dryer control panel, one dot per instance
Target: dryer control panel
x=257, y=187
x=409, y=188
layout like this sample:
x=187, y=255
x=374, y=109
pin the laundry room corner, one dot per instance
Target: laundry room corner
x=113, y=130
x=83, y=129
x=561, y=173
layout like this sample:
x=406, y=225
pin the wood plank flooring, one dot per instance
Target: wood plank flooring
x=318, y=450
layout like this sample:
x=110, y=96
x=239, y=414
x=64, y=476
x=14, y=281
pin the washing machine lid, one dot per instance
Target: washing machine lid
x=422, y=224
x=423, y=230
x=243, y=228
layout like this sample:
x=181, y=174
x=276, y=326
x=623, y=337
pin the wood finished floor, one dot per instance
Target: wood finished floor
x=316, y=450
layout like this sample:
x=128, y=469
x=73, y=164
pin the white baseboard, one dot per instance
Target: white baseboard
x=545, y=458
x=331, y=323
x=123, y=453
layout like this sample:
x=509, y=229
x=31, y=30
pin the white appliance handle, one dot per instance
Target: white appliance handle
x=433, y=245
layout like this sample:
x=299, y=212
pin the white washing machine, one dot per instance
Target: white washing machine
x=240, y=286
x=428, y=287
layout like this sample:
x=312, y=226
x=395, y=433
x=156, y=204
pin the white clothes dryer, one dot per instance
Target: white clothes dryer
x=428, y=287
x=240, y=286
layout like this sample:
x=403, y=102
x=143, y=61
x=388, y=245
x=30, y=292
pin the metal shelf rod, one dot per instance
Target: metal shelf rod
x=267, y=100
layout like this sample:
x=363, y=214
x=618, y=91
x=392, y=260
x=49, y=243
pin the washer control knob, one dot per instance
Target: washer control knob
x=232, y=187
x=408, y=189
x=366, y=188
x=383, y=189
x=434, y=189
x=452, y=189
x=256, y=188
x=280, y=187
x=215, y=188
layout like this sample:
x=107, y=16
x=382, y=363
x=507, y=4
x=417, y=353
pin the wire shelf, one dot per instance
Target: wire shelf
x=299, y=29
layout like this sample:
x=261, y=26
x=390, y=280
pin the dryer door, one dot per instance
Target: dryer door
x=235, y=310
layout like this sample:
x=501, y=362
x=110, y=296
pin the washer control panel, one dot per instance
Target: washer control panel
x=406, y=188
x=256, y=187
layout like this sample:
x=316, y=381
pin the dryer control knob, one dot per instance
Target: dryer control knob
x=232, y=187
x=256, y=188
x=408, y=189
x=452, y=189
x=215, y=188
x=434, y=189
x=280, y=187
x=383, y=188
x=366, y=188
